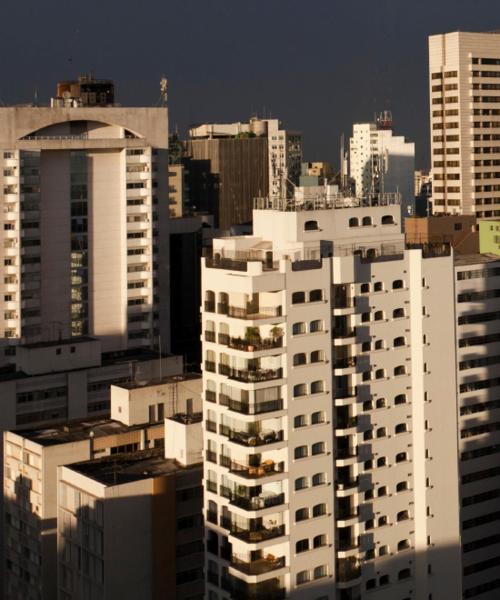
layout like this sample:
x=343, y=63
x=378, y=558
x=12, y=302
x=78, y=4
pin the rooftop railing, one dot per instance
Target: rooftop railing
x=324, y=202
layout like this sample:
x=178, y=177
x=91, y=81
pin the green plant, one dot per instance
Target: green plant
x=252, y=335
x=276, y=332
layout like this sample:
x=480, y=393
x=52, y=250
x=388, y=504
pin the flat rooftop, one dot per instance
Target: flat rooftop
x=62, y=342
x=462, y=260
x=126, y=468
x=164, y=380
x=80, y=429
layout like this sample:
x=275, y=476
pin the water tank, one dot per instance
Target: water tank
x=259, y=127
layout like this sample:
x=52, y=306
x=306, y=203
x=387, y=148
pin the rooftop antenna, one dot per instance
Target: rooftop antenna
x=163, y=90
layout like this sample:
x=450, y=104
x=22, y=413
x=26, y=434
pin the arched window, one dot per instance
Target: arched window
x=404, y=574
x=210, y=361
x=381, y=432
x=399, y=341
x=380, y=403
x=382, y=461
x=380, y=374
x=378, y=286
x=399, y=370
x=368, y=464
x=387, y=220
x=317, y=417
x=371, y=253
x=365, y=317
x=365, y=288
x=367, y=221
x=353, y=222
x=212, y=512
x=300, y=452
x=367, y=435
x=400, y=399
x=315, y=295
x=301, y=483
x=367, y=405
x=321, y=571
x=301, y=514
x=382, y=491
x=371, y=584
x=379, y=344
x=318, y=479
x=317, y=356
x=370, y=554
x=403, y=515
x=302, y=546
x=319, y=541
x=303, y=577
x=398, y=313
x=383, y=550
x=384, y=580
x=209, y=301
x=401, y=428
x=299, y=390
x=310, y=225
x=402, y=486
x=299, y=359
x=223, y=305
x=370, y=524
x=397, y=284
x=298, y=328
x=318, y=448
x=382, y=521
x=401, y=457
x=319, y=510
x=403, y=545
x=298, y=297
x=317, y=387
x=299, y=421
x=315, y=326
x=379, y=315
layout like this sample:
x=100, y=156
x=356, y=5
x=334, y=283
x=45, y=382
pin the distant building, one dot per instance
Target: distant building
x=231, y=164
x=382, y=162
x=464, y=99
x=423, y=193
x=460, y=231
x=315, y=173
x=489, y=236
x=132, y=523
x=176, y=190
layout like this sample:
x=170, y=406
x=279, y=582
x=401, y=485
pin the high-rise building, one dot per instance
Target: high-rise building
x=231, y=164
x=84, y=212
x=382, y=162
x=330, y=463
x=464, y=71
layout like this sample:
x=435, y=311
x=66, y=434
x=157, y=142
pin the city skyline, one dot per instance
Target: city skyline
x=318, y=70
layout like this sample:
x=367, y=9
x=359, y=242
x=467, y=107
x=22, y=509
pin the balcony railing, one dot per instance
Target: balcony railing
x=211, y=456
x=210, y=396
x=209, y=306
x=257, y=502
x=247, y=438
x=265, y=469
x=210, y=336
x=259, y=566
x=254, y=312
x=345, y=363
x=259, y=535
x=348, y=569
x=247, y=408
x=344, y=332
x=253, y=376
x=211, y=426
x=345, y=545
x=258, y=591
x=255, y=346
x=346, y=484
x=211, y=486
x=346, y=452
x=210, y=366
x=347, y=423
x=347, y=392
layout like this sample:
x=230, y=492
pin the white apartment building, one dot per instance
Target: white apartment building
x=284, y=148
x=33, y=456
x=382, y=162
x=477, y=289
x=464, y=90
x=327, y=406
x=84, y=215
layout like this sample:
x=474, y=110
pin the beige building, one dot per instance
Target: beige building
x=84, y=215
x=135, y=521
x=327, y=408
x=464, y=71
x=461, y=231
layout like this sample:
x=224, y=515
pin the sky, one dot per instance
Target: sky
x=318, y=66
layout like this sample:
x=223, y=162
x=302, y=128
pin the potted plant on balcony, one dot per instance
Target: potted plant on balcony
x=252, y=338
x=276, y=333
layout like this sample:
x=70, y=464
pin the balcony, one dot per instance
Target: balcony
x=254, y=536
x=257, y=502
x=248, y=438
x=209, y=306
x=255, y=376
x=259, y=566
x=210, y=336
x=247, y=408
x=346, y=484
x=343, y=453
x=348, y=569
x=264, y=469
x=344, y=332
x=211, y=456
x=254, y=345
x=270, y=590
x=345, y=363
x=250, y=312
x=347, y=392
x=210, y=396
x=211, y=426
x=210, y=366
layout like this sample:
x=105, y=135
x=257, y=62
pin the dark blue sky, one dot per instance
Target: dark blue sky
x=318, y=65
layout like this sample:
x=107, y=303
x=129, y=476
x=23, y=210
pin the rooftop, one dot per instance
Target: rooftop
x=187, y=419
x=326, y=202
x=126, y=468
x=78, y=430
x=132, y=385
x=462, y=260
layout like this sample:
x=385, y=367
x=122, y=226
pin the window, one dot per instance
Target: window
x=298, y=328
x=319, y=541
x=298, y=297
x=315, y=326
x=319, y=510
x=367, y=435
x=318, y=448
x=397, y=284
x=367, y=221
x=311, y=225
x=382, y=461
x=368, y=464
x=302, y=546
x=317, y=356
x=403, y=545
x=300, y=452
x=401, y=457
x=404, y=574
x=299, y=359
x=387, y=220
x=317, y=387
x=401, y=428
x=402, y=486
x=399, y=341
x=320, y=572
x=370, y=524
x=383, y=550
x=367, y=405
x=400, y=399
x=380, y=374
x=379, y=315
x=384, y=580
x=380, y=403
x=403, y=515
x=318, y=479
x=353, y=222
x=301, y=514
x=399, y=370
x=379, y=345
x=299, y=390
x=365, y=317
x=382, y=491
x=317, y=417
x=301, y=483
x=315, y=295
x=370, y=554
x=300, y=421
x=398, y=313
x=381, y=432
x=303, y=577
x=365, y=288
x=378, y=286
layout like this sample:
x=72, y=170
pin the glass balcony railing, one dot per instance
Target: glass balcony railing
x=257, y=502
x=259, y=566
x=253, y=376
x=251, y=408
x=261, y=534
x=248, y=438
x=264, y=469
